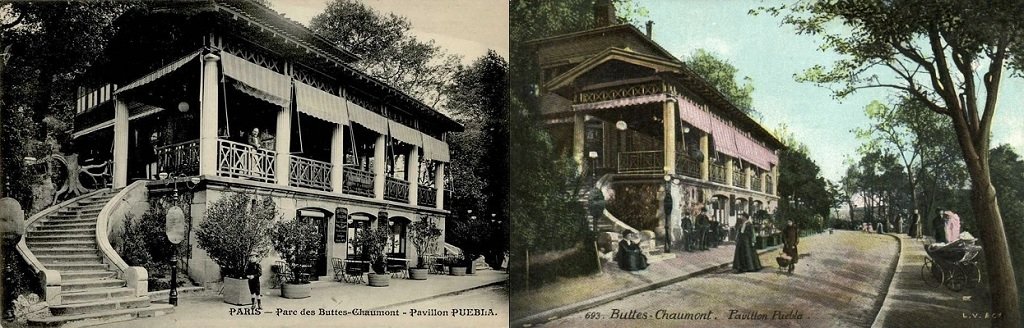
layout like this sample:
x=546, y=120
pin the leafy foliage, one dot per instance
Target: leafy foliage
x=297, y=242
x=474, y=236
x=373, y=240
x=424, y=236
x=722, y=75
x=805, y=194
x=237, y=226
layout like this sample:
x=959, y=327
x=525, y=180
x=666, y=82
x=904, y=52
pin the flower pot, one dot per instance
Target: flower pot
x=379, y=280
x=418, y=274
x=236, y=291
x=290, y=290
x=457, y=270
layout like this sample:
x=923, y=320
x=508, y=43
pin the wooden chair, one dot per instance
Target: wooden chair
x=353, y=273
x=397, y=268
x=338, y=265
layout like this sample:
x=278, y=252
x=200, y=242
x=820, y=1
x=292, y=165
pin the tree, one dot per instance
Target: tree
x=722, y=75
x=801, y=184
x=950, y=56
x=388, y=51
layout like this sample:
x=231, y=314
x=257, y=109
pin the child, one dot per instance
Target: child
x=253, y=272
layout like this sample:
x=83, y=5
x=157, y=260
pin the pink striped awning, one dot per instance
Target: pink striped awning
x=623, y=102
x=694, y=115
x=727, y=139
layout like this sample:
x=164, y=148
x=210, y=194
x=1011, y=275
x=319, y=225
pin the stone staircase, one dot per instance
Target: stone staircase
x=90, y=290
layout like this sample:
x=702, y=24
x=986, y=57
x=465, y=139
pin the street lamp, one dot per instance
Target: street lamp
x=593, y=163
x=667, y=206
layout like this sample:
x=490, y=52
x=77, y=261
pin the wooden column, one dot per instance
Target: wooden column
x=378, y=167
x=775, y=180
x=747, y=174
x=209, y=116
x=439, y=184
x=578, y=139
x=412, y=173
x=705, y=148
x=120, y=174
x=283, y=145
x=337, y=158
x=728, y=171
x=669, y=127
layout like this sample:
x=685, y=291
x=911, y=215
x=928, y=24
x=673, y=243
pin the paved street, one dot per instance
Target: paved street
x=837, y=283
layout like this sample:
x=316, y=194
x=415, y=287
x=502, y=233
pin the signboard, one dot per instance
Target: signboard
x=175, y=228
x=340, y=225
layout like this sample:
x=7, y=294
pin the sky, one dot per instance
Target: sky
x=463, y=27
x=771, y=54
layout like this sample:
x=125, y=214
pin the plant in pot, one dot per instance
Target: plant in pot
x=298, y=244
x=456, y=264
x=237, y=227
x=373, y=241
x=424, y=236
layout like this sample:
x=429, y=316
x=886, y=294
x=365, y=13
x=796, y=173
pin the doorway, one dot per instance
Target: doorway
x=319, y=219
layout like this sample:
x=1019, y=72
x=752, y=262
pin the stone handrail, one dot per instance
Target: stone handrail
x=619, y=225
x=50, y=279
x=136, y=277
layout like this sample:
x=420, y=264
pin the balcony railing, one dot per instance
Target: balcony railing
x=690, y=167
x=357, y=182
x=179, y=158
x=427, y=196
x=769, y=187
x=641, y=161
x=738, y=178
x=244, y=161
x=717, y=173
x=396, y=189
x=755, y=182
x=309, y=173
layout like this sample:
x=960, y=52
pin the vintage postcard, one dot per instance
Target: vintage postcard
x=254, y=163
x=766, y=163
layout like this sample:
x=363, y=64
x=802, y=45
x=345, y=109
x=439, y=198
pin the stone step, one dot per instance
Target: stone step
x=88, y=206
x=69, y=276
x=95, y=294
x=57, y=225
x=76, y=267
x=46, y=251
x=61, y=233
x=103, y=317
x=59, y=259
x=72, y=216
x=54, y=221
x=45, y=245
x=80, y=238
x=112, y=304
x=87, y=285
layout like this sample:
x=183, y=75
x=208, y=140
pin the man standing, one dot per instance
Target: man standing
x=715, y=234
x=702, y=229
x=790, y=238
x=687, y=226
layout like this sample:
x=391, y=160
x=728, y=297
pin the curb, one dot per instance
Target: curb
x=559, y=312
x=886, y=304
x=503, y=281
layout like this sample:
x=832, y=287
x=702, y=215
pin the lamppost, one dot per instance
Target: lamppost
x=174, y=222
x=667, y=208
x=593, y=163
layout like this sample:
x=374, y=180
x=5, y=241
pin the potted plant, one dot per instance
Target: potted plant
x=456, y=265
x=297, y=242
x=237, y=227
x=373, y=241
x=424, y=235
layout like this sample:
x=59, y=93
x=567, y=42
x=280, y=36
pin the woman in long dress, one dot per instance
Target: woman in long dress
x=952, y=226
x=630, y=257
x=745, y=259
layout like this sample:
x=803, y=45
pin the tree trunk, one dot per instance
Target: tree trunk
x=997, y=254
x=3, y=64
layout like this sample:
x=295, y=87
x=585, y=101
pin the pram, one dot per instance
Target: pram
x=954, y=265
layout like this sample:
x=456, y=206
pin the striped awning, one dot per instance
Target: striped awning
x=405, y=134
x=623, y=102
x=257, y=81
x=320, y=104
x=694, y=115
x=434, y=149
x=153, y=76
x=366, y=118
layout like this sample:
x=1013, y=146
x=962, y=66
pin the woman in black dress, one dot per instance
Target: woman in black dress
x=253, y=272
x=630, y=257
x=745, y=259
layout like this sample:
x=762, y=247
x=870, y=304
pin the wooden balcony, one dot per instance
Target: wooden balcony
x=769, y=187
x=239, y=160
x=717, y=173
x=309, y=173
x=427, y=196
x=651, y=161
x=738, y=178
x=755, y=182
x=689, y=167
x=396, y=189
x=357, y=182
x=179, y=159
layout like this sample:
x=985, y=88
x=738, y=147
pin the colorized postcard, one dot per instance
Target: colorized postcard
x=254, y=163
x=769, y=163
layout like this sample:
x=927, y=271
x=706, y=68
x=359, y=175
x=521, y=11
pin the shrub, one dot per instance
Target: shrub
x=132, y=247
x=424, y=236
x=236, y=227
x=297, y=242
x=373, y=240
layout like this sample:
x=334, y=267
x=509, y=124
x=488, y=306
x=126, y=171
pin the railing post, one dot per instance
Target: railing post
x=378, y=168
x=669, y=124
x=412, y=174
x=120, y=174
x=208, y=117
x=282, y=145
x=337, y=158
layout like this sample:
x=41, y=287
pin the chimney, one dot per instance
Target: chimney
x=650, y=30
x=604, y=13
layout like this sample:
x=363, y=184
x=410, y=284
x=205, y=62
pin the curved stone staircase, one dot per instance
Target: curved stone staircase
x=82, y=284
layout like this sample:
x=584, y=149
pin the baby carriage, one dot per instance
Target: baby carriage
x=783, y=260
x=954, y=265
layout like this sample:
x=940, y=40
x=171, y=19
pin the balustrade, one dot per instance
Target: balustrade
x=738, y=178
x=396, y=189
x=755, y=182
x=179, y=159
x=309, y=173
x=427, y=196
x=357, y=182
x=641, y=161
x=690, y=167
x=717, y=173
x=244, y=161
x=768, y=185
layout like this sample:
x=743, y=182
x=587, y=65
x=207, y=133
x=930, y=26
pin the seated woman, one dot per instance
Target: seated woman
x=630, y=257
